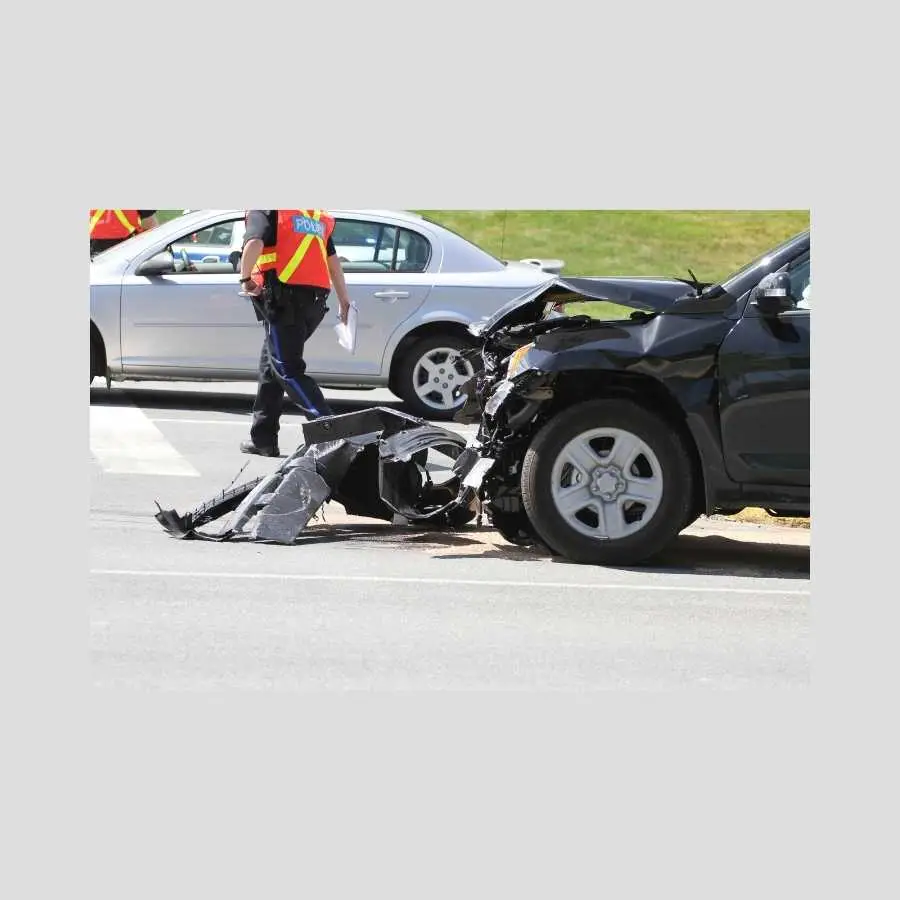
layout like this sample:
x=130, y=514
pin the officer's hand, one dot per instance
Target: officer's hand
x=251, y=288
x=345, y=312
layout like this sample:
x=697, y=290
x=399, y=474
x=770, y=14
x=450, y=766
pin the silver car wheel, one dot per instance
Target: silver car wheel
x=606, y=483
x=437, y=373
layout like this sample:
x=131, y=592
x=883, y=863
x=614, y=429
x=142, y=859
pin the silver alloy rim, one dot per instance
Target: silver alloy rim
x=437, y=373
x=606, y=483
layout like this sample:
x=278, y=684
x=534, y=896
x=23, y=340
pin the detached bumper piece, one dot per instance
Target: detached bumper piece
x=375, y=463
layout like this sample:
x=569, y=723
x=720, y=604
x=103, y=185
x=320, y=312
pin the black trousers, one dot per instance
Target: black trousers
x=282, y=369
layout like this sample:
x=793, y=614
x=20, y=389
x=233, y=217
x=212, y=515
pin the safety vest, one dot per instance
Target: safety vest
x=300, y=254
x=114, y=223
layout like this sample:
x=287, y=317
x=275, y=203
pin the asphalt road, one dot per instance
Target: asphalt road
x=361, y=604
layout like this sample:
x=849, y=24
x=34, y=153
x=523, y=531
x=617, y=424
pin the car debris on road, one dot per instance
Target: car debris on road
x=373, y=462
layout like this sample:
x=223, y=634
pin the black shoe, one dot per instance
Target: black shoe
x=250, y=447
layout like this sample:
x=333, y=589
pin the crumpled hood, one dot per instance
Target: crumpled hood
x=651, y=294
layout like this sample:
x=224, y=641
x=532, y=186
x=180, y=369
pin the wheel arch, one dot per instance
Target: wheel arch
x=99, y=347
x=425, y=330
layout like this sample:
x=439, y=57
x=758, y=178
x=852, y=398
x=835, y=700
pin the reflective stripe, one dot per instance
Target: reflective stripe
x=265, y=258
x=281, y=370
x=121, y=217
x=296, y=259
x=97, y=217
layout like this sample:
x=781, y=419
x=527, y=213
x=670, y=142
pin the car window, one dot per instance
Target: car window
x=210, y=250
x=378, y=247
x=799, y=275
x=198, y=237
x=221, y=234
x=215, y=235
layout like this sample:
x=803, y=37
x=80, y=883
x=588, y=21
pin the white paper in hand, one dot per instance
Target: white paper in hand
x=346, y=332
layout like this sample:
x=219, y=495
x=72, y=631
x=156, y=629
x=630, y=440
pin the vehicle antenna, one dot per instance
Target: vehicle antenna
x=503, y=235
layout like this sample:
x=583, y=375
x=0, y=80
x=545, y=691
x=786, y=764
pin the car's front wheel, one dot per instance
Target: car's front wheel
x=607, y=482
x=430, y=374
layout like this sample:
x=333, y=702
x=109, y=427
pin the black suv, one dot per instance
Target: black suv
x=604, y=439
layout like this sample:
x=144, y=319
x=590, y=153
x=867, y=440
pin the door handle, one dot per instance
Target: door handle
x=390, y=296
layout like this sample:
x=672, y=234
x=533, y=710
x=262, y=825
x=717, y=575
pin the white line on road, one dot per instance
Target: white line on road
x=126, y=442
x=386, y=579
x=242, y=422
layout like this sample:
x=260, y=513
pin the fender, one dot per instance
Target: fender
x=405, y=328
x=657, y=350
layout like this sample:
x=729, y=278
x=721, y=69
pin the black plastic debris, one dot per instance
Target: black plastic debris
x=376, y=463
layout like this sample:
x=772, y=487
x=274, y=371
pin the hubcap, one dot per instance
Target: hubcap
x=436, y=375
x=606, y=483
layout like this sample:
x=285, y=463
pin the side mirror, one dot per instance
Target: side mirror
x=162, y=263
x=773, y=294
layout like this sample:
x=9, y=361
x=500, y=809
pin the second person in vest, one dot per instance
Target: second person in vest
x=289, y=262
x=112, y=226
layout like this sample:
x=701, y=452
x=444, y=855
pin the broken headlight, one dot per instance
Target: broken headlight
x=517, y=361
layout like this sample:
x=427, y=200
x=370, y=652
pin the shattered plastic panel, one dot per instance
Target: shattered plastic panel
x=403, y=457
x=373, y=462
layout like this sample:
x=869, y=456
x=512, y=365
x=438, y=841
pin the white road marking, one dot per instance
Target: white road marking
x=244, y=422
x=125, y=442
x=385, y=579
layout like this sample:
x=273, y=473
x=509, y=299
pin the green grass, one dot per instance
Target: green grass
x=623, y=242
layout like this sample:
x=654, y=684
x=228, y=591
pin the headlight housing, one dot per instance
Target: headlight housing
x=517, y=360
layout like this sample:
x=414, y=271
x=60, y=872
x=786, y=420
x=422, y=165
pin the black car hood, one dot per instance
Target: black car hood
x=651, y=294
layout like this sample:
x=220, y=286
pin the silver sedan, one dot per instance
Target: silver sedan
x=165, y=305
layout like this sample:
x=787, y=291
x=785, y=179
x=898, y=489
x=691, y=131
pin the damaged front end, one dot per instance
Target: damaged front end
x=377, y=463
x=514, y=394
x=510, y=403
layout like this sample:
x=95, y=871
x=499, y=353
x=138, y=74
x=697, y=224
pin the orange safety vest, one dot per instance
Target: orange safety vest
x=300, y=254
x=114, y=223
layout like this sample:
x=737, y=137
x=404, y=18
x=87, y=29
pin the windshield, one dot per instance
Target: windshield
x=747, y=276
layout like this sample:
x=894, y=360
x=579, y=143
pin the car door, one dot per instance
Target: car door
x=191, y=323
x=764, y=390
x=389, y=270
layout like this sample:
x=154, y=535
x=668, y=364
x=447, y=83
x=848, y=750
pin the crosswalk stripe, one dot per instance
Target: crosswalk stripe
x=125, y=442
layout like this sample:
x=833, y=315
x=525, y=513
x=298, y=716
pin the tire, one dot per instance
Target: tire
x=630, y=469
x=414, y=377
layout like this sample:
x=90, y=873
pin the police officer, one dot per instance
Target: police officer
x=111, y=226
x=288, y=264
